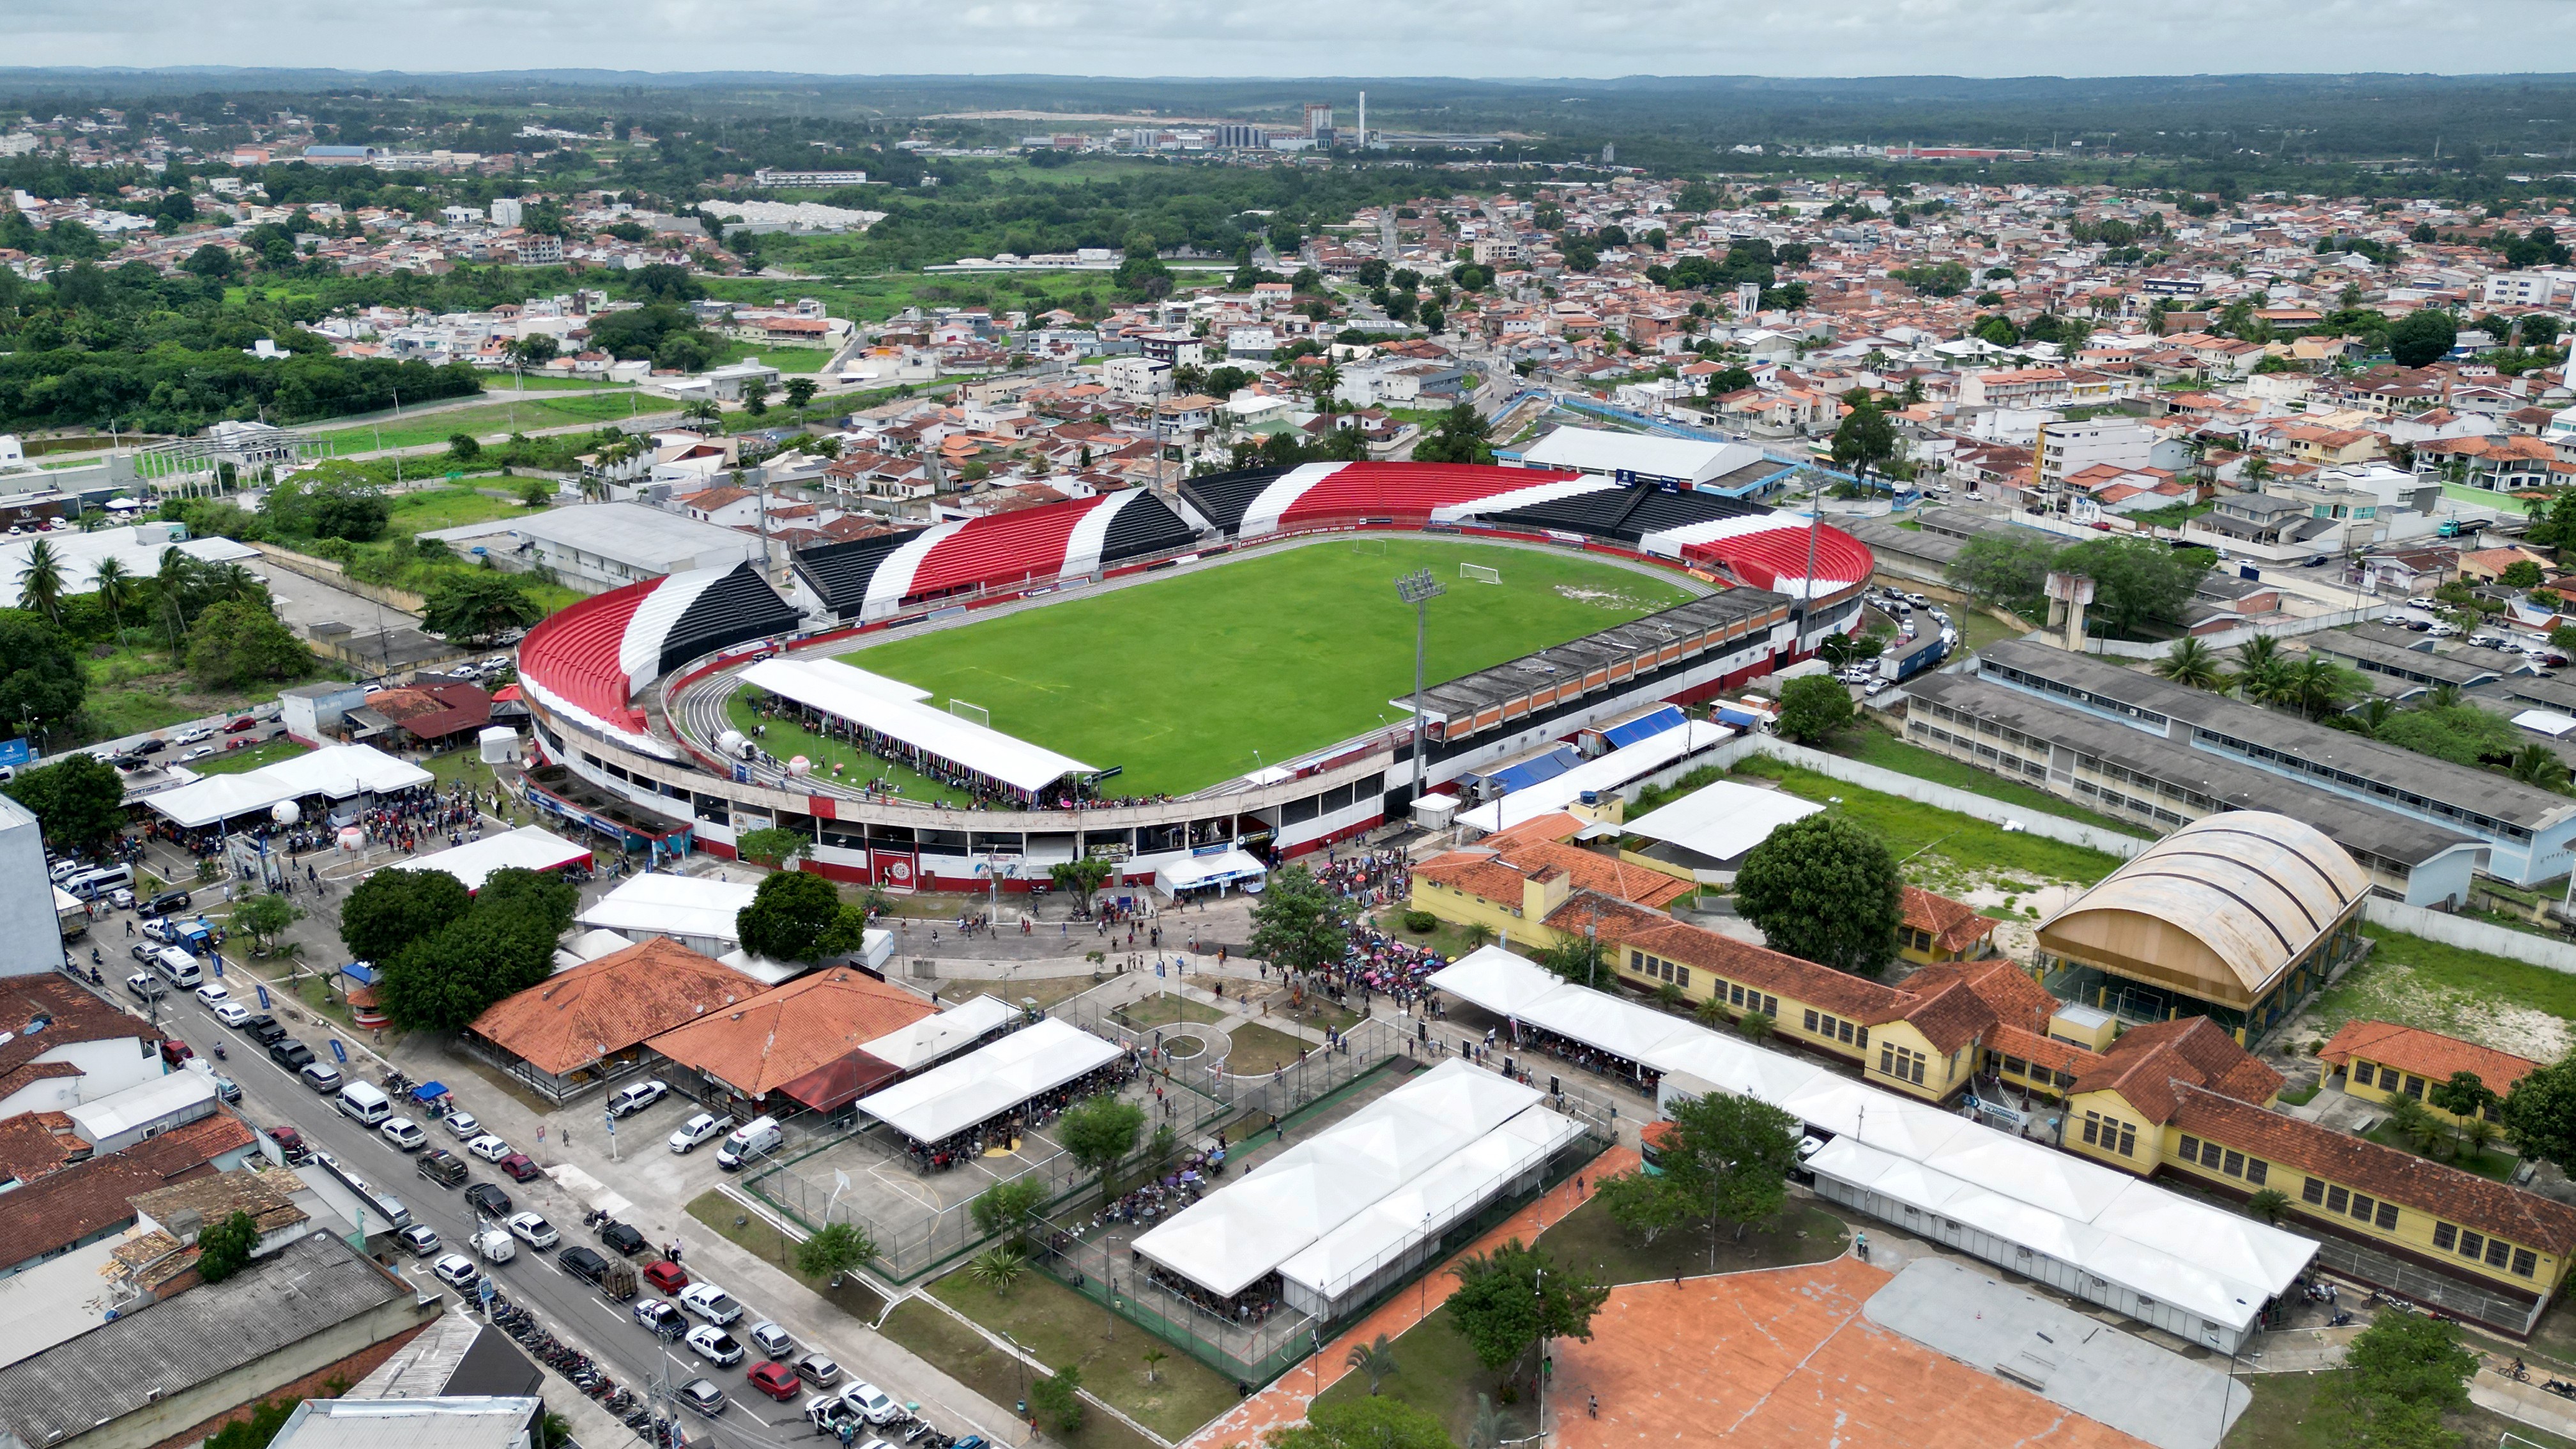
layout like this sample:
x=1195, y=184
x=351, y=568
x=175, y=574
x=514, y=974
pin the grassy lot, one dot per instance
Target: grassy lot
x=972, y=1360
x=1447, y=938
x=2286, y=1414
x=787, y=740
x=2492, y=1164
x=2508, y=1005
x=1165, y=1008
x=876, y=298
x=554, y=384
x=435, y=508
x=1062, y=1327
x=234, y=762
x=1944, y=850
x=1258, y=1049
x=1872, y=745
x=1437, y=1372
x=1589, y=1238
x=1190, y=680
x=493, y=420
x=756, y=1236
x=786, y=359
x=133, y=690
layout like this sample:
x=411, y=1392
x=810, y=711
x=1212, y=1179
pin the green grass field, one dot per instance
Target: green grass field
x=1182, y=680
x=527, y=413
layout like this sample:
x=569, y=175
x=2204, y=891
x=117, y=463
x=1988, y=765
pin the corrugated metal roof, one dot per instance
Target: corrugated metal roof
x=2256, y=889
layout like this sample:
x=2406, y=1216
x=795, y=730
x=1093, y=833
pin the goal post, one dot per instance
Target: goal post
x=973, y=712
x=1479, y=574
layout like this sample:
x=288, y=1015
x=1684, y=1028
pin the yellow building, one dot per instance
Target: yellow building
x=2380, y=1061
x=1939, y=929
x=1515, y=881
x=2238, y=916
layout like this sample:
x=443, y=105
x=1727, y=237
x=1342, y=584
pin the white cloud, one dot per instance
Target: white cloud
x=1498, y=38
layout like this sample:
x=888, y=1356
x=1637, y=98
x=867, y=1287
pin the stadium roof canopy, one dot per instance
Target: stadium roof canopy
x=984, y=1084
x=896, y=710
x=338, y=772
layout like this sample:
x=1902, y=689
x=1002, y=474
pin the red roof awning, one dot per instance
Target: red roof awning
x=836, y=1084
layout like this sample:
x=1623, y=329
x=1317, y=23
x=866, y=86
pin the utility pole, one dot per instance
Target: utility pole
x=1419, y=588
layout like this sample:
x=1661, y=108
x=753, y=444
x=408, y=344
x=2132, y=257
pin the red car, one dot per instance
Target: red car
x=774, y=1379
x=175, y=1051
x=519, y=1167
x=291, y=1143
x=244, y=723
x=665, y=1276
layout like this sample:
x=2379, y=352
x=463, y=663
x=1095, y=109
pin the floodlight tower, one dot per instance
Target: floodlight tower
x=1419, y=588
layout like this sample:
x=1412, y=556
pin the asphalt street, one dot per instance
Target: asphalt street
x=570, y=1309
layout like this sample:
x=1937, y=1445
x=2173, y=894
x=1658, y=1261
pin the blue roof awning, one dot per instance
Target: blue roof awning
x=1645, y=727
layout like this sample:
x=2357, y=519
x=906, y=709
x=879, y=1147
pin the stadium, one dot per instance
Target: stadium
x=1188, y=684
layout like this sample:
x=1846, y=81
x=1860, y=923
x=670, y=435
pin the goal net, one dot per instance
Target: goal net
x=1479, y=574
x=975, y=712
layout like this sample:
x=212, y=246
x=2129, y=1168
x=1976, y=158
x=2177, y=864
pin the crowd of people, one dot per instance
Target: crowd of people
x=1373, y=879
x=1006, y=1127
x=984, y=792
x=1253, y=1305
x=400, y=820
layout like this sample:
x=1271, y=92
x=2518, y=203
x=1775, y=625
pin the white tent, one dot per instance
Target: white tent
x=696, y=911
x=1699, y=1063
x=1605, y=1022
x=1721, y=821
x=1495, y=979
x=987, y=1083
x=1251, y=1226
x=530, y=847
x=896, y=710
x=338, y=772
x=928, y=1040
x=1192, y=872
x=1602, y=774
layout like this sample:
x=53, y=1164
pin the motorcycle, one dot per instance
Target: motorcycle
x=219, y=1051
x=2339, y=1320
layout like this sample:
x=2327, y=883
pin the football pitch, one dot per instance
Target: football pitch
x=1182, y=680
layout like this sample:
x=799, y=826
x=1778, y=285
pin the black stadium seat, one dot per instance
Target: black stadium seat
x=1144, y=527
x=1221, y=498
x=839, y=572
x=735, y=609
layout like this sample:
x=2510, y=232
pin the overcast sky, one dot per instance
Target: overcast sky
x=1482, y=38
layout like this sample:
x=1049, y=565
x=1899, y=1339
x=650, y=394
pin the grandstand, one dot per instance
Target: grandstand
x=874, y=578
x=587, y=660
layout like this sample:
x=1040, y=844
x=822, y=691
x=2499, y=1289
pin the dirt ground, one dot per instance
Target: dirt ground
x=1783, y=1359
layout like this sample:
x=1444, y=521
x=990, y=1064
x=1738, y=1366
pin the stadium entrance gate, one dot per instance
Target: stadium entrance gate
x=895, y=870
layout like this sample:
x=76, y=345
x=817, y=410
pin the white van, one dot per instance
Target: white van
x=361, y=1102
x=180, y=967
x=90, y=884
x=751, y=1139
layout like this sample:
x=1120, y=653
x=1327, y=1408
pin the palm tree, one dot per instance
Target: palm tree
x=2315, y=688
x=40, y=583
x=998, y=1270
x=1376, y=1359
x=115, y=590
x=2258, y=669
x=2193, y=663
x=2537, y=764
x=2366, y=721
x=178, y=575
x=2256, y=469
x=232, y=581
x=1154, y=1364
x=2440, y=696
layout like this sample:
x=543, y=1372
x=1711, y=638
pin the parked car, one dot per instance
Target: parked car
x=289, y=1053
x=461, y=1125
x=213, y=994
x=442, y=1167
x=519, y=1167
x=771, y=1340
x=404, y=1134
x=418, y=1239
x=457, y=1271
x=231, y=1013
x=322, y=1077
x=582, y=1263
x=226, y=1089
x=174, y=1052
x=828, y=1414
x=711, y=1303
x=666, y=1276
x=703, y=1396
x=622, y=1238
x=263, y=1029
x=818, y=1369
x=873, y=1403
x=495, y=1246
x=534, y=1230
x=145, y=987
x=488, y=1200
x=244, y=723
x=704, y=1127
x=193, y=734
x=661, y=1318
x=290, y=1144
x=637, y=1097
x=714, y=1345
x=488, y=1147
x=774, y=1379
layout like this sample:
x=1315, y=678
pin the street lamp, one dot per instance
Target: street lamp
x=1419, y=588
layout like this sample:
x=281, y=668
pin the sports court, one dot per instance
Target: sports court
x=1783, y=1359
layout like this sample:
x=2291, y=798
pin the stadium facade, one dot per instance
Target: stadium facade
x=625, y=689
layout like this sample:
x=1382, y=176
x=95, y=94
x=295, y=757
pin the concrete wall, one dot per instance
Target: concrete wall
x=26, y=897
x=2472, y=935
x=2228, y=639
x=1926, y=792
x=322, y=570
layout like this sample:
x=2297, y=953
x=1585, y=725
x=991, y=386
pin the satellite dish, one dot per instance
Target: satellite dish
x=285, y=812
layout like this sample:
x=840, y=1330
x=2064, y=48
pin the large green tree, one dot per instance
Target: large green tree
x=477, y=605
x=1813, y=706
x=442, y=983
x=794, y=916
x=1724, y=1159
x=234, y=645
x=1864, y=440
x=78, y=801
x=1099, y=1131
x=388, y=911
x=1459, y=437
x=1298, y=925
x=2540, y=1113
x=40, y=678
x=2136, y=579
x=1510, y=1298
x=2008, y=570
x=223, y=1248
x=2420, y=338
x=1826, y=889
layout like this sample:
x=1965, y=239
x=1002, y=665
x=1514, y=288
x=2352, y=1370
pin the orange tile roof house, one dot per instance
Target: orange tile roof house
x=2380, y=1060
x=772, y=1041
x=580, y=1027
x=1938, y=928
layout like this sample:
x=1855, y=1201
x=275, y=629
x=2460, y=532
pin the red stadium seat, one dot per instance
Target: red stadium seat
x=1004, y=549
x=1770, y=557
x=573, y=654
x=1405, y=493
